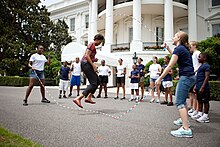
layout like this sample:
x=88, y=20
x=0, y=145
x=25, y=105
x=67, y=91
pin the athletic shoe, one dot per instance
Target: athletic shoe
x=44, y=100
x=60, y=96
x=106, y=96
x=192, y=114
x=25, y=103
x=64, y=96
x=195, y=117
x=203, y=119
x=98, y=96
x=179, y=122
x=152, y=100
x=122, y=98
x=181, y=132
x=164, y=103
x=116, y=98
x=158, y=101
x=170, y=104
x=190, y=111
x=70, y=95
x=137, y=100
x=130, y=99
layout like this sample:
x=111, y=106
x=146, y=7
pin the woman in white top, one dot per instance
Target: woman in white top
x=36, y=63
x=120, y=78
x=155, y=71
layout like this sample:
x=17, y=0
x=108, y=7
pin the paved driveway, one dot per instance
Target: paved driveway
x=56, y=125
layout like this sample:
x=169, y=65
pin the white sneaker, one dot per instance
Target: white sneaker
x=203, y=119
x=190, y=111
x=130, y=99
x=194, y=113
x=195, y=117
x=158, y=101
x=152, y=100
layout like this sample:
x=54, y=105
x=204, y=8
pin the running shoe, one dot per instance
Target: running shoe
x=179, y=122
x=192, y=114
x=170, y=104
x=98, y=96
x=25, y=103
x=195, y=117
x=152, y=100
x=60, y=96
x=116, y=98
x=70, y=95
x=44, y=100
x=181, y=132
x=64, y=96
x=203, y=119
x=123, y=98
x=164, y=103
x=158, y=101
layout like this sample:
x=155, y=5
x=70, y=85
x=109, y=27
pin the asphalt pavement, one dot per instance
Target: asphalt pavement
x=108, y=123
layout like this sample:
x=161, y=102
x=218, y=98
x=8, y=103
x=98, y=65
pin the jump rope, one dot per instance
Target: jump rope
x=96, y=111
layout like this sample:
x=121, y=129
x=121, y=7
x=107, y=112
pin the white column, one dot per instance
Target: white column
x=168, y=20
x=78, y=27
x=94, y=19
x=136, y=44
x=192, y=20
x=109, y=25
x=90, y=18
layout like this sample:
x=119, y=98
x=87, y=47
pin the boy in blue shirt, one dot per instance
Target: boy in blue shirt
x=64, y=77
x=202, y=88
x=135, y=75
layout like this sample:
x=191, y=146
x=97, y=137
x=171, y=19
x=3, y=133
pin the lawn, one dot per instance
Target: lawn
x=8, y=139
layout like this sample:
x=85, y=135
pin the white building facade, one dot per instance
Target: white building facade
x=139, y=26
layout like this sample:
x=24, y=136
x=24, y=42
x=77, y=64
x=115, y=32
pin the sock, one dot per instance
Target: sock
x=132, y=97
x=205, y=115
x=200, y=113
x=137, y=97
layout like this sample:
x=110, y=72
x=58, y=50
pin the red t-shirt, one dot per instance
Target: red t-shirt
x=92, y=48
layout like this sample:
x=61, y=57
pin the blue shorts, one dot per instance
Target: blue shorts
x=182, y=90
x=152, y=80
x=40, y=74
x=75, y=80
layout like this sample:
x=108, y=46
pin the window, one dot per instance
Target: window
x=215, y=3
x=72, y=24
x=130, y=34
x=159, y=35
x=86, y=21
x=216, y=29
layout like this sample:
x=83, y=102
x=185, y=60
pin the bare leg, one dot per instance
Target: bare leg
x=100, y=89
x=166, y=94
x=123, y=88
x=117, y=91
x=190, y=100
x=30, y=87
x=71, y=89
x=152, y=90
x=142, y=91
x=184, y=117
x=105, y=88
x=78, y=89
x=42, y=89
x=158, y=91
x=206, y=108
x=171, y=94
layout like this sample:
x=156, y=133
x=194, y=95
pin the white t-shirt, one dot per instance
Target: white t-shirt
x=154, y=71
x=103, y=70
x=120, y=70
x=76, y=69
x=195, y=61
x=38, y=61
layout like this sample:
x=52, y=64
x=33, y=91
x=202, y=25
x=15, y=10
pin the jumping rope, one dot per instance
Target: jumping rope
x=86, y=110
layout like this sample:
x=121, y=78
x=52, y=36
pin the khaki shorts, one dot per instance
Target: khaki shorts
x=141, y=82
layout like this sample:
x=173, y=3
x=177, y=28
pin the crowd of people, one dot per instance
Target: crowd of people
x=193, y=72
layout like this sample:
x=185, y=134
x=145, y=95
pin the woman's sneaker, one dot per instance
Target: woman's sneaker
x=195, y=117
x=179, y=122
x=203, y=119
x=170, y=104
x=193, y=114
x=181, y=132
x=190, y=112
x=152, y=100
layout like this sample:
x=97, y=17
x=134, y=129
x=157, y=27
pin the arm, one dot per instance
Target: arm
x=167, y=47
x=125, y=71
x=88, y=53
x=72, y=66
x=48, y=60
x=138, y=76
x=207, y=74
x=169, y=67
x=30, y=65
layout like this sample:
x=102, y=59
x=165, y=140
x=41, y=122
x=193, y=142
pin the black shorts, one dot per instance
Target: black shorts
x=120, y=80
x=103, y=79
x=191, y=89
x=204, y=97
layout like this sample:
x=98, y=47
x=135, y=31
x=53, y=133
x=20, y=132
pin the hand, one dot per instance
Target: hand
x=32, y=68
x=158, y=82
x=95, y=60
x=164, y=45
x=201, y=90
x=94, y=67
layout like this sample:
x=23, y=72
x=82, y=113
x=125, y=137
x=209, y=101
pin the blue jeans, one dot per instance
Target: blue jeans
x=182, y=90
x=40, y=74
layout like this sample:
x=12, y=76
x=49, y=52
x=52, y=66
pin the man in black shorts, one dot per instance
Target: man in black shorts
x=104, y=72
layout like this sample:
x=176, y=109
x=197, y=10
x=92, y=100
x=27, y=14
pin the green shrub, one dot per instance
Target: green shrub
x=21, y=81
x=214, y=89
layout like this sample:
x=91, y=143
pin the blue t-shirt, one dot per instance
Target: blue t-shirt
x=134, y=73
x=201, y=76
x=168, y=77
x=141, y=68
x=184, y=61
x=64, y=72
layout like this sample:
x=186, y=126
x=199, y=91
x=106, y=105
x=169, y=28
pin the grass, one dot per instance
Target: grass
x=8, y=139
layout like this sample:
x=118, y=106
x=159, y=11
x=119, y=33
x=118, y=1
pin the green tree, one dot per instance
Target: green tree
x=212, y=47
x=23, y=25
